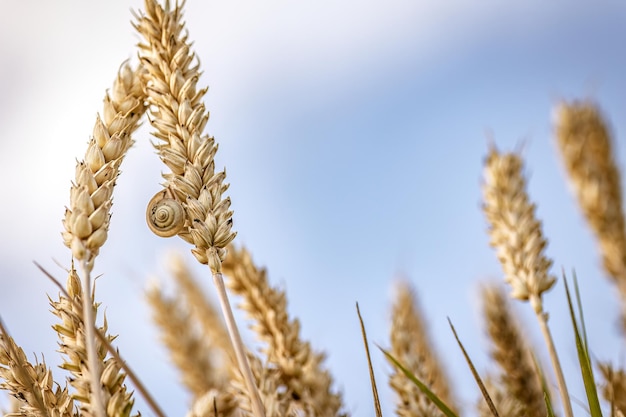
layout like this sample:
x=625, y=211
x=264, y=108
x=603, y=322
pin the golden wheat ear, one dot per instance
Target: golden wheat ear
x=518, y=385
x=411, y=345
x=200, y=364
x=192, y=204
x=586, y=149
x=71, y=330
x=32, y=386
x=87, y=219
x=520, y=245
x=298, y=367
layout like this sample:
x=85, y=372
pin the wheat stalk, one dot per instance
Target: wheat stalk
x=516, y=235
x=179, y=117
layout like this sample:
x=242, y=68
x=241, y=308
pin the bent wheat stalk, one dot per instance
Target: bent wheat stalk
x=192, y=187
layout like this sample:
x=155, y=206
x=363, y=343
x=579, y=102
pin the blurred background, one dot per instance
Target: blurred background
x=353, y=133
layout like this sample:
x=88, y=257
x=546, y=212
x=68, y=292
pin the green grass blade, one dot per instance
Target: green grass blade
x=431, y=395
x=583, y=330
x=477, y=377
x=547, y=398
x=583, y=358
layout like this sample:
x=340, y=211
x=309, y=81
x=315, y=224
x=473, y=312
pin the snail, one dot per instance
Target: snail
x=165, y=215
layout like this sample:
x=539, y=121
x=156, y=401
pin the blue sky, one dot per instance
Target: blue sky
x=353, y=135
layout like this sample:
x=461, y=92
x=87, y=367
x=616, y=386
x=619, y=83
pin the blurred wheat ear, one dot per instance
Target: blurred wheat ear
x=586, y=149
x=519, y=242
x=517, y=389
x=411, y=346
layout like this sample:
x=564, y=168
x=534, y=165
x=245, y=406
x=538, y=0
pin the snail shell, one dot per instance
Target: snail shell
x=165, y=215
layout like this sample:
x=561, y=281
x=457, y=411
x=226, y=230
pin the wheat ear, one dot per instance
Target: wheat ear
x=116, y=400
x=518, y=378
x=411, y=345
x=179, y=117
x=586, y=148
x=87, y=219
x=32, y=385
x=186, y=347
x=516, y=235
x=614, y=387
x=299, y=368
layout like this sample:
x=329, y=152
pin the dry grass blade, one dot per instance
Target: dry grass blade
x=411, y=345
x=518, y=379
x=379, y=412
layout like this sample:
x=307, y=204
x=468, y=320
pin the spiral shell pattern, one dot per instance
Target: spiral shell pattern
x=165, y=215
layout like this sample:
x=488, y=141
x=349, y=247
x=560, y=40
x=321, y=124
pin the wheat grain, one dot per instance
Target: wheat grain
x=518, y=378
x=299, y=367
x=411, y=346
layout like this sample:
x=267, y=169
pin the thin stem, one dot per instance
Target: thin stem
x=89, y=321
x=235, y=338
x=556, y=364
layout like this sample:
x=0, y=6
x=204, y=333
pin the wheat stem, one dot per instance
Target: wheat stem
x=554, y=358
x=235, y=337
x=96, y=400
